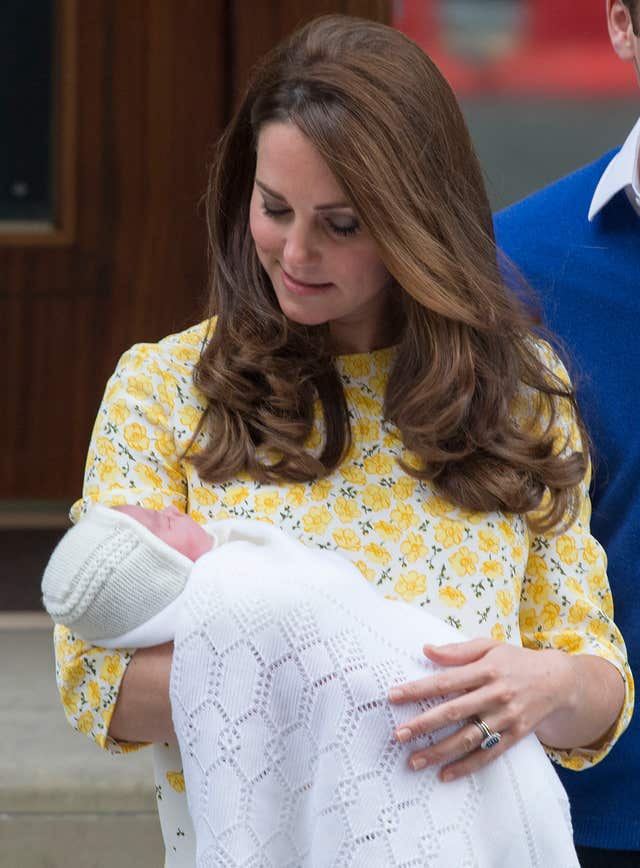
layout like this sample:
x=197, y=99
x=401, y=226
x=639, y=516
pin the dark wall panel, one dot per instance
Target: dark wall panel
x=26, y=86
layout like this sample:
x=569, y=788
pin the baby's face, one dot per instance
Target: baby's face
x=174, y=528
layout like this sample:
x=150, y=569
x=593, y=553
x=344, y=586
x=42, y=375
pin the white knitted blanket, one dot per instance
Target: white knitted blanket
x=283, y=659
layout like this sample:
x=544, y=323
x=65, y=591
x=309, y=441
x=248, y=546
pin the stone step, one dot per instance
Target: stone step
x=80, y=841
x=63, y=802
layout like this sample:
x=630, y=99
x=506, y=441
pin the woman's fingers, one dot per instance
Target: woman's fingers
x=459, y=653
x=465, y=744
x=458, y=710
x=447, y=681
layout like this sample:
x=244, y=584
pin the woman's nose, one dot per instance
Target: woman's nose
x=299, y=248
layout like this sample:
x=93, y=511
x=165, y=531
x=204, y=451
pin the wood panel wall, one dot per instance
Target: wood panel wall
x=154, y=84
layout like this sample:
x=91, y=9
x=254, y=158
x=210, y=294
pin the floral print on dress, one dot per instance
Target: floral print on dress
x=485, y=574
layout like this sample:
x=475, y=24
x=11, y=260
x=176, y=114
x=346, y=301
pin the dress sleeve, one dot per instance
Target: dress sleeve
x=133, y=458
x=566, y=601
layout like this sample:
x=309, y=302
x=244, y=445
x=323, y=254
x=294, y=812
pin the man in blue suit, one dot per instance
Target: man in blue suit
x=577, y=242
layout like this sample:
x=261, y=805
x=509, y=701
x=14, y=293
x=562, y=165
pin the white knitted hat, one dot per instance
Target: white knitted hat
x=109, y=574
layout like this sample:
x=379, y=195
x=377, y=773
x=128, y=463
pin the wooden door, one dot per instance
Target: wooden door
x=147, y=87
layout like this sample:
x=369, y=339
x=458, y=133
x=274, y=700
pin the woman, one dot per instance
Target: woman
x=366, y=382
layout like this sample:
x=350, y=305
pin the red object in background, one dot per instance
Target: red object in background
x=564, y=50
x=555, y=21
x=419, y=20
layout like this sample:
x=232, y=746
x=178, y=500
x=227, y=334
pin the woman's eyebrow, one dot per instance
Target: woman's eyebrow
x=269, y=191
x=327, y=207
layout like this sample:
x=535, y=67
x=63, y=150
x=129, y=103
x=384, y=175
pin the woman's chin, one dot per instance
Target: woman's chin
x=301, y=315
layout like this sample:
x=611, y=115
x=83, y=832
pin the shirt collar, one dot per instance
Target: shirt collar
x=622, y=173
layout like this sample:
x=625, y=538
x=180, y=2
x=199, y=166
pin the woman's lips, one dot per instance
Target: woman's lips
x=300, y=288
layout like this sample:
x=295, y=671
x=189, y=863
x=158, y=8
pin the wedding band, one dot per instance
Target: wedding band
x=491, y=738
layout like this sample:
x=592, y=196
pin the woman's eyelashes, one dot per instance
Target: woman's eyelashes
x=343, y=229
x=273, y=212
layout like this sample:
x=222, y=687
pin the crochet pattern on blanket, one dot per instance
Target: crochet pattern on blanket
x=279, y=695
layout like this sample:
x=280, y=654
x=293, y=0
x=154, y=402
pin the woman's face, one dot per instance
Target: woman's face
x=322, y=263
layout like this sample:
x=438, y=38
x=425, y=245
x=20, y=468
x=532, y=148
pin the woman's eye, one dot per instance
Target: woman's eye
x=344, y=229
x=273, y=212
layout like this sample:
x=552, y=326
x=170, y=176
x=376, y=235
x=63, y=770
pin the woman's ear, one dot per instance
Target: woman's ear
x=621, y=29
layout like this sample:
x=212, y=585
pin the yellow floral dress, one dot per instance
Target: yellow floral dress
x=484, y=573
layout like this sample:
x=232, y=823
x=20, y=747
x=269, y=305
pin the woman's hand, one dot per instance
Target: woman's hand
x=143, y=711
x=569, y=701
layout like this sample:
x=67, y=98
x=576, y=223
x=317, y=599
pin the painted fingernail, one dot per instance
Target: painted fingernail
x=403, y=734
x=446, y=776
x=418, y=763
x=395, y=694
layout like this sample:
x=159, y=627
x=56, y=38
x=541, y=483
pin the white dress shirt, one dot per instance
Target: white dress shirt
x=622, y=173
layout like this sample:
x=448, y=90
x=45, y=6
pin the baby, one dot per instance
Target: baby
x=283, y=657
x=116, y=578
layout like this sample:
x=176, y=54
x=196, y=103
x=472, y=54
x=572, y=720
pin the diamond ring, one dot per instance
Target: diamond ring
x=490, y=738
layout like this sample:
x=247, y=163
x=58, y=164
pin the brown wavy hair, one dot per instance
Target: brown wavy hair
x=389, y=127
